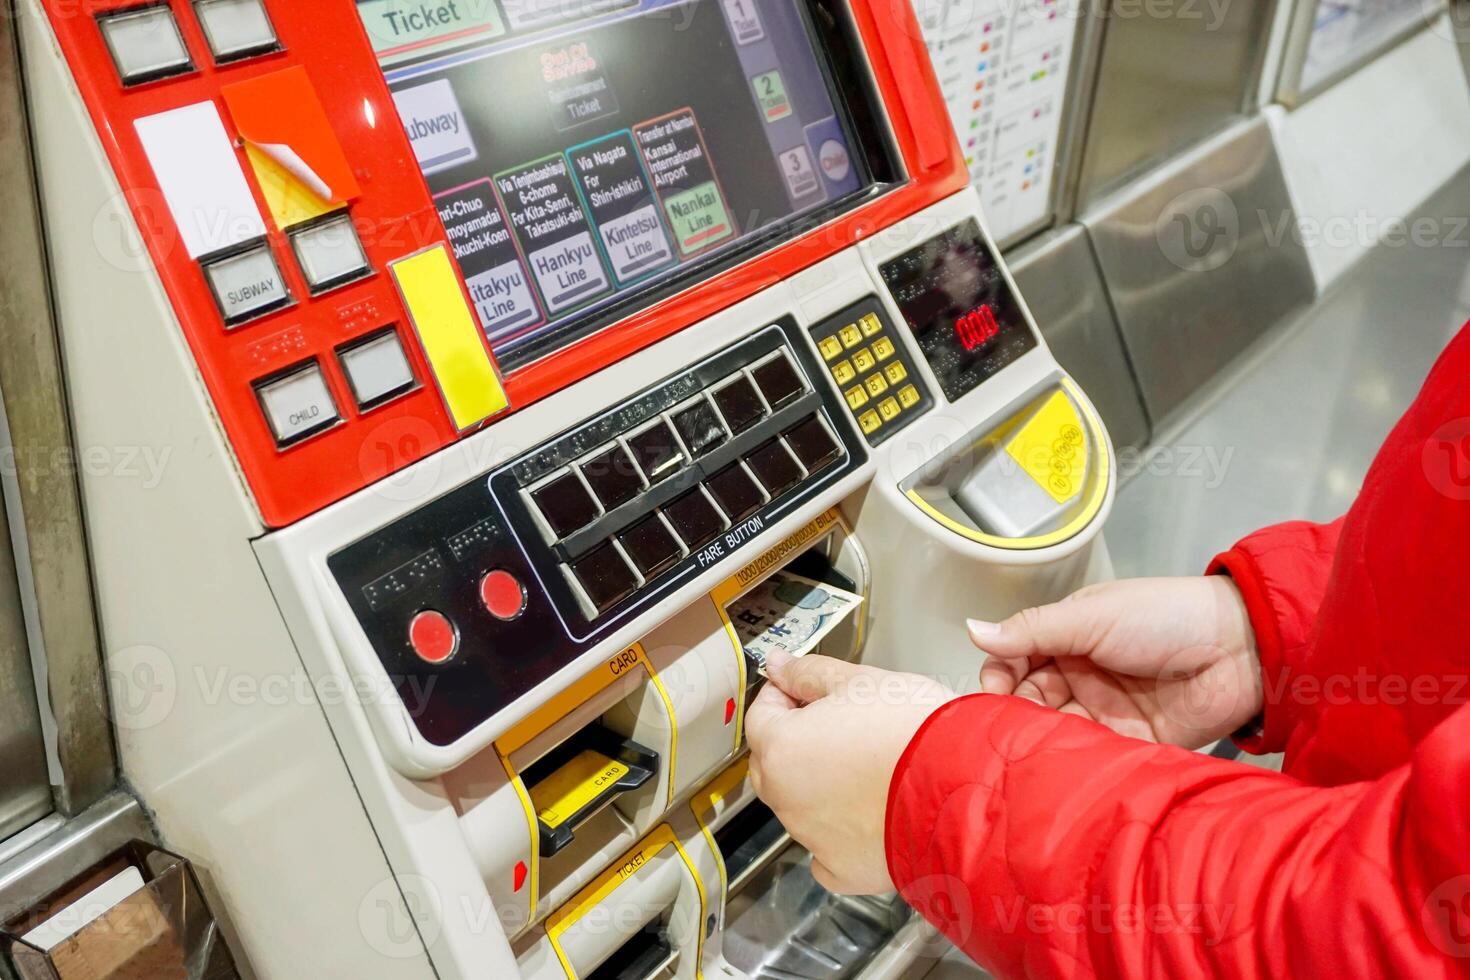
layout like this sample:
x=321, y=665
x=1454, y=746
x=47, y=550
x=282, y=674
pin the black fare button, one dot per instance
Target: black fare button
x=778, y=381
x=775, y=467
x=605, y=577
x=651, y=546
x=699, y=427
x=613, y=477
x=812, y=444
x=566, y=505
x=694, y=517
x=657, y=452
x=740, y=405
x=735, y=491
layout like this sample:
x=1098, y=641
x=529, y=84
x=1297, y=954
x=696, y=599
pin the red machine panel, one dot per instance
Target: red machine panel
x=337, y=340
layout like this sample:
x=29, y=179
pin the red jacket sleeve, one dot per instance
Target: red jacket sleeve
x=1282, y=573
x=1044, y=845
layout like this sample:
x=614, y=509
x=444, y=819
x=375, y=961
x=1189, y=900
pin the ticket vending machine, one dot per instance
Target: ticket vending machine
x=499, y=347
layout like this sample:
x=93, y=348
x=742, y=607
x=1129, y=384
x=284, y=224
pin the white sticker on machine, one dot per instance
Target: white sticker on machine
x=199, y=173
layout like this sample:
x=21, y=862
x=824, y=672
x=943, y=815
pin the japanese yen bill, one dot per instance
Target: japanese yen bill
x=789, y=613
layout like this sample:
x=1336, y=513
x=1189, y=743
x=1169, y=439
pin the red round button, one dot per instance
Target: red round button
x=503, y=594
x=433, y=636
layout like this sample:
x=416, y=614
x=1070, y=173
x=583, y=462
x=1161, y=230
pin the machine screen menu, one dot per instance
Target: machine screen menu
x=578, y=161
x=962, y=310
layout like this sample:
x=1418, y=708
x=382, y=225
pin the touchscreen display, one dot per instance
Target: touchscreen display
x=588, y=156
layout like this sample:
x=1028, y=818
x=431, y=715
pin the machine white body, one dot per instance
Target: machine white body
x=252, y=718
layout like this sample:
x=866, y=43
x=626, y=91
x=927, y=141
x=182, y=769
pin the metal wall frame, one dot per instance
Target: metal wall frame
x=42, y=491
x=1289, y=90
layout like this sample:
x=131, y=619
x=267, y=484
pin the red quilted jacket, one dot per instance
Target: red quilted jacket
x=1046, y=846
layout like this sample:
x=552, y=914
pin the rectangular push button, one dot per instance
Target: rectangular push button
x=330, y=253
x=651, y=545
x=775, y=467
x=699, y=427
x=736, y=492
x=297, y=404
x=247, y=284
x=740, y=405
x=657, y=452
x=613, y=477
x=377, y=369
x=694, y=518
x=145, y=43
x=812, y=444
x=778, y=381
x=566, y=504
x=605, y=577
x=236, y=28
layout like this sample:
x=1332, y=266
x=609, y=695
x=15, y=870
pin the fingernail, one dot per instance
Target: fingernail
x=979, y=627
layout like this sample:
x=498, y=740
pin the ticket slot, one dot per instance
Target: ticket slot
x=580, y=777
x=649, y=955
x=1033, y=478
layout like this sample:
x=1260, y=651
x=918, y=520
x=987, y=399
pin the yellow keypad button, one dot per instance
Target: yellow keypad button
x=850, y=335
x=870, y=324
x=856, y=397
x=863, y=360
x=843, y=372
x=896, y=372
x=908, y=396
x=830, y=347
x=883, y=347
x=888, y=408
x=876, y=385
x=870, y=422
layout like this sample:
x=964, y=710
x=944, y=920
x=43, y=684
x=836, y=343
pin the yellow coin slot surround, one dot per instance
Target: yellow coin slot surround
x=1097, y=490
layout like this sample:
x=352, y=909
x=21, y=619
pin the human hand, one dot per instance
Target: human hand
x=825, y=737
x=1169, y=660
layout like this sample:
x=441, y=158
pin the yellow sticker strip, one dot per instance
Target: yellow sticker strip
x=450, y=337
x=1051, y=449
x=588, y=774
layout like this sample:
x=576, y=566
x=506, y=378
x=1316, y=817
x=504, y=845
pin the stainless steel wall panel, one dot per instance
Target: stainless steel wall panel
x=1061, y=283
x=41, y=480
x=1169, y=75
x=25, y=787
x=1200, y=258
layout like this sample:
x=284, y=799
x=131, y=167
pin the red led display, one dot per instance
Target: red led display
x=977, y=328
